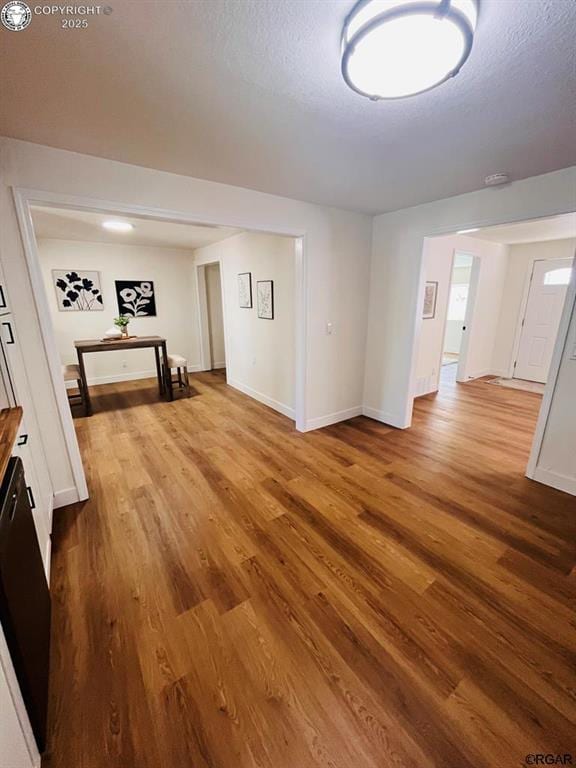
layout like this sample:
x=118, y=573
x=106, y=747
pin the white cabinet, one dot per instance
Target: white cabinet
x=17, y=744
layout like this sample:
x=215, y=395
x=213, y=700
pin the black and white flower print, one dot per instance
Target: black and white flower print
x=135, y=298
x=78, y=291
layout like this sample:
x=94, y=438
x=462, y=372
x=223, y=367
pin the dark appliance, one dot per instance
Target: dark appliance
x=24, y=597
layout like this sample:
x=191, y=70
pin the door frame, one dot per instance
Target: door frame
x=550, y=386
x=522, y=313
x=202, y=314
x=569, y=304
x=24, y=198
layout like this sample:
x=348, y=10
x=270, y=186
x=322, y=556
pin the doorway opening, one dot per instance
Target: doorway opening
x=211, y=317
x=457, y=303
x=504, y=297
x=80, y=221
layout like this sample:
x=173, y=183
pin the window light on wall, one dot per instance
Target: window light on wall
x=397, y=48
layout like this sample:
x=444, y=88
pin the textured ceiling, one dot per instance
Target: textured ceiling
x=535, y=231
x=85, y=226
x=249, y=92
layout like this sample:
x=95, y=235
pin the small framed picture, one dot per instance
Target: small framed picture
x=430, y=294
x=265, y=297
x=245, y=290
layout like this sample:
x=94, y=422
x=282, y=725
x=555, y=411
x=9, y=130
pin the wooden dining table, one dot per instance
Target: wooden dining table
x=157, y=343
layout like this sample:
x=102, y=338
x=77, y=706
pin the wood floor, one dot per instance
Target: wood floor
x=236, y=594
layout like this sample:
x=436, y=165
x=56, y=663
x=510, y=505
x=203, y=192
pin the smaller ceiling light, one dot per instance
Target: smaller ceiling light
x=118, y=226
x=397, y=48
x=467, y=231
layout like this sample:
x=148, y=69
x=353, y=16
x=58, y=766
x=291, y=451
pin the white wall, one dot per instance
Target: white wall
x=176, y=316
x=260, y=356
x=438, y=253
x=337, y=247
x=215, y=316
x=395, y=288
x=521, y=257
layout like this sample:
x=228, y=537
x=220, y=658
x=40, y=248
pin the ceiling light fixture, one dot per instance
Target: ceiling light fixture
x=467, y=231
x=118, y=226
x=397, y=48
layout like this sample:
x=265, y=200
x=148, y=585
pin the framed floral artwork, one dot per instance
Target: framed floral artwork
x=77, y=290
x=136, y=298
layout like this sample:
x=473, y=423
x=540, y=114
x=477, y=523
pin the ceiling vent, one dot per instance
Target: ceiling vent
x=495, y=179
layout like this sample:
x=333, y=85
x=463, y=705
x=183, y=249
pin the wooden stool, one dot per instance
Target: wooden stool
x=181, y=364
x=72, y=373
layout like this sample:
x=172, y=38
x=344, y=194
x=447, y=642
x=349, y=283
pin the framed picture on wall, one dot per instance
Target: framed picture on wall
x=265, y=299
x=430, y=294
x=136, y=298
x=245, y=290
x=77, y=290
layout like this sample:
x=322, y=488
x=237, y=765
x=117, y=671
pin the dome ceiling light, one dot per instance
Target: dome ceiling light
x=397, y=48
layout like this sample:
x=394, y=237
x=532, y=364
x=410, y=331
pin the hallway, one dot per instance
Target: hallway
x=238, y=594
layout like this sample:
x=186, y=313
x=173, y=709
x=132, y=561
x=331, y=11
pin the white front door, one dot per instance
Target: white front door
x=546, y=296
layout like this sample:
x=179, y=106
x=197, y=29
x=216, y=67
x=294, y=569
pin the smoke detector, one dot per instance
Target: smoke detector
x=495, y=179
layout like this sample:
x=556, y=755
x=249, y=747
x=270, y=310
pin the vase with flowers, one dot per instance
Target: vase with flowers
x=122, y=324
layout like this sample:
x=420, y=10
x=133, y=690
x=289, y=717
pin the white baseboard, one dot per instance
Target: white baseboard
x=485, y=372
x=64, y=497
x=555, y=480
x=286, y=410
x=386, y=418
x=218, y=365
x=332, y=418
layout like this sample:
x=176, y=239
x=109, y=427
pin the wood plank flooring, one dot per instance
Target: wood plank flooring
x=239, y=595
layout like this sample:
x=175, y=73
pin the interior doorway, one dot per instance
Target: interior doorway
x=215, y=317
x=458, y=300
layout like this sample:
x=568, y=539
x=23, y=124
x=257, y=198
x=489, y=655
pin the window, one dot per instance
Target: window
x=559, y=276
x=457, y=302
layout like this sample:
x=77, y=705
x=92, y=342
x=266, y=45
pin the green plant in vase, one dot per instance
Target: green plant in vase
x=122, y=323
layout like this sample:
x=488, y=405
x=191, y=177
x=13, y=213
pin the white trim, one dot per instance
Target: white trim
x=65, y=497
x=560, y=482
x=560, y=345
x=202, y=314
x=391, y=419
x=301, y=340
x=50, y=513
x=48, y=561
x=462, y=373
x=9, y=674
x=49, y=340
x=286, y=410
x=333, y=418
x=218, y=365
